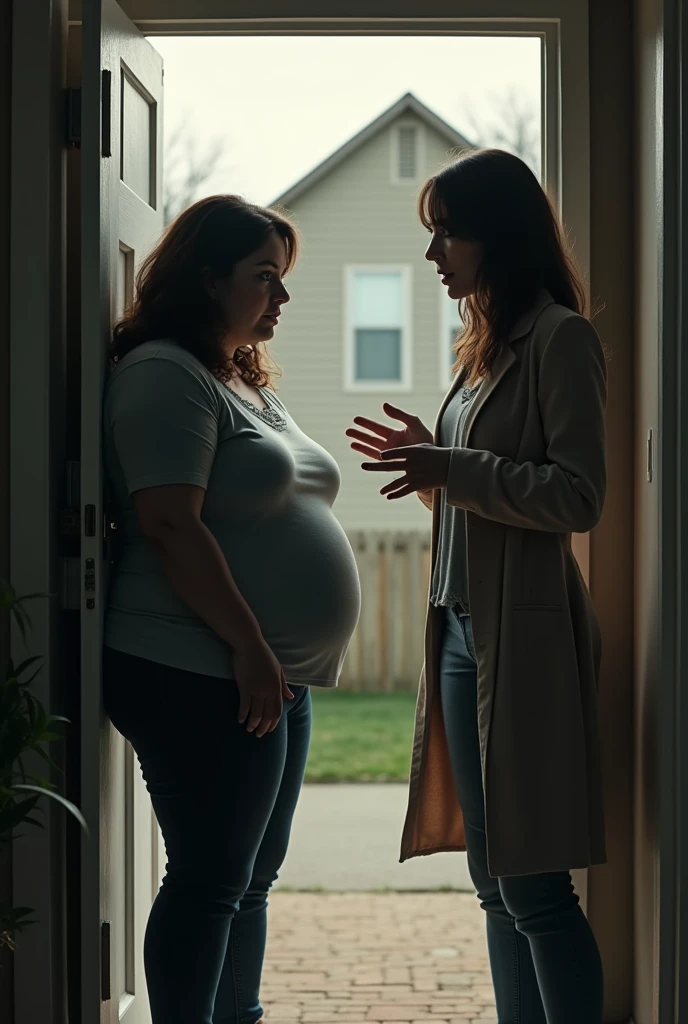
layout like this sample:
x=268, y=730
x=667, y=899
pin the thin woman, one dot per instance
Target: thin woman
x=505, y=761
x=234, y=591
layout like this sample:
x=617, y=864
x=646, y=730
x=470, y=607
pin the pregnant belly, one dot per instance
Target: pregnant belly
x=301, y=581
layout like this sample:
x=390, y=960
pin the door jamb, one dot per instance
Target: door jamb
x=672, y=231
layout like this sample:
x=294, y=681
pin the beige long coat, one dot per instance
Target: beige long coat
x=533, y=472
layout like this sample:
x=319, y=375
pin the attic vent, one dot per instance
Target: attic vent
x=407, y=152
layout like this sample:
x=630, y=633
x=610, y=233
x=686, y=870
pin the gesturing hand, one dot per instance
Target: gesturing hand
x=379, y=437
x=425, y=467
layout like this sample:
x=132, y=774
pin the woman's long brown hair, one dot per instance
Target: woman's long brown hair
x=493, y=197
x=171, y=300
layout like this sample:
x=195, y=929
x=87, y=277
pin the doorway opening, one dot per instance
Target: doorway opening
x=353, y=932
x=383, y=328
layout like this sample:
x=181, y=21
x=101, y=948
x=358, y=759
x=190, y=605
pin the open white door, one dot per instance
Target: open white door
x=122, y=218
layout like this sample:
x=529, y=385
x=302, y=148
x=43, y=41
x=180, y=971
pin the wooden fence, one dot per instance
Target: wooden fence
x=386, y=652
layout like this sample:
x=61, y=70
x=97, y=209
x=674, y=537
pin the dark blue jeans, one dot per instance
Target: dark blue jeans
x=224, y=800
x=545, y=964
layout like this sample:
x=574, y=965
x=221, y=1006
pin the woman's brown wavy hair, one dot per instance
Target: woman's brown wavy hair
x=493, y=197
x=170, y=298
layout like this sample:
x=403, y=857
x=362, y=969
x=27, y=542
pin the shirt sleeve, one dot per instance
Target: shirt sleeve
x=163, y=417
x=567, y=491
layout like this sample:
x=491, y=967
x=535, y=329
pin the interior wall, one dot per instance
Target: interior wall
x=39, y=33
x=646, y=221
x=609, y=903
x=5, y=110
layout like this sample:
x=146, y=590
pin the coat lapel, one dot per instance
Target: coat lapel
x=504, y=360
x=456, y=384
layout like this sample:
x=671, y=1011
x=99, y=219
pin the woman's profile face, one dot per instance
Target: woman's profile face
x=457, y=260
x=251, y=297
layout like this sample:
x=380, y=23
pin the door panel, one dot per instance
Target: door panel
x=122, y=220
x=137, y=158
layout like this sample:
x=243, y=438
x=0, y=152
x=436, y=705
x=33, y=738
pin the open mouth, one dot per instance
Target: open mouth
x=446, y=278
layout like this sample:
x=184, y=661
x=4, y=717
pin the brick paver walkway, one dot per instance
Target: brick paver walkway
x=363, y=958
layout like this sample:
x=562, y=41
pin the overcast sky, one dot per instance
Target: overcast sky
x=280, y=105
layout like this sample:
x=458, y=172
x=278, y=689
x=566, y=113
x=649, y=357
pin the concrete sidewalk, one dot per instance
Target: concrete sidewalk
x=346, y=838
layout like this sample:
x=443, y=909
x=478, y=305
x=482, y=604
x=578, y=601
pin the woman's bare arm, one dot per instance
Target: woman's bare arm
x=170, y=519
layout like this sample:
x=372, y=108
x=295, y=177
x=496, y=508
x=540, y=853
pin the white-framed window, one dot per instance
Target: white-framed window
x=450, y=327
x=407, y=153
x=377, y=327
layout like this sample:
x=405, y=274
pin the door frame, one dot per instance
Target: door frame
x=36, y=343
x=37, y=324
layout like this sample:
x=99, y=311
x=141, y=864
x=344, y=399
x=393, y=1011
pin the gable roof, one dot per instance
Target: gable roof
x=407, y=104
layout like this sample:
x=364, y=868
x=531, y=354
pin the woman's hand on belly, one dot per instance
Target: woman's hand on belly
x=262, y=687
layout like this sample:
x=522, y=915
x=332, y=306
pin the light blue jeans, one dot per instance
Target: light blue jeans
x=546, y=967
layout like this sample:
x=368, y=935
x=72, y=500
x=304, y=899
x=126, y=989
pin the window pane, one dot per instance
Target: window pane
x=377, y=300
x=378, y=355
x=407, y=152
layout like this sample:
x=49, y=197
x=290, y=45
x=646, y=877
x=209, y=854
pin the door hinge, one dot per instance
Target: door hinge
x=73, y=118
x=650, y=456
x=106, y=113
x=89, y=520
x=105, y=981
x=90, y=583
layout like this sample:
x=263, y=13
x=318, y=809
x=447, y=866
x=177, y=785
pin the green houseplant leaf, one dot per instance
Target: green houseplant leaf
x=25, y=728
x=67, y=804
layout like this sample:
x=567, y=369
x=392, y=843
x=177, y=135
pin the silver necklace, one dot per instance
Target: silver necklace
x=270, y=415
x=468, y=393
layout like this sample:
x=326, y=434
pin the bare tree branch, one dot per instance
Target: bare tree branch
x=188, y=167
x=514, y=125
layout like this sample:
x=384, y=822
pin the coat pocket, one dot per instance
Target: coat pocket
x=540, y=577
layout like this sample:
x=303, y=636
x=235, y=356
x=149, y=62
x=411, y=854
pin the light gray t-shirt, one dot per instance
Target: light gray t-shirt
x=268, y=503
x=450, y=577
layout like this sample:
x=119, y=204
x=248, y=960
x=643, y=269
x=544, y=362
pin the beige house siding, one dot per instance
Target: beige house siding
x=356, y=215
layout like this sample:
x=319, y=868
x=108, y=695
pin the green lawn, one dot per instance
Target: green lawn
x=360, y=737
